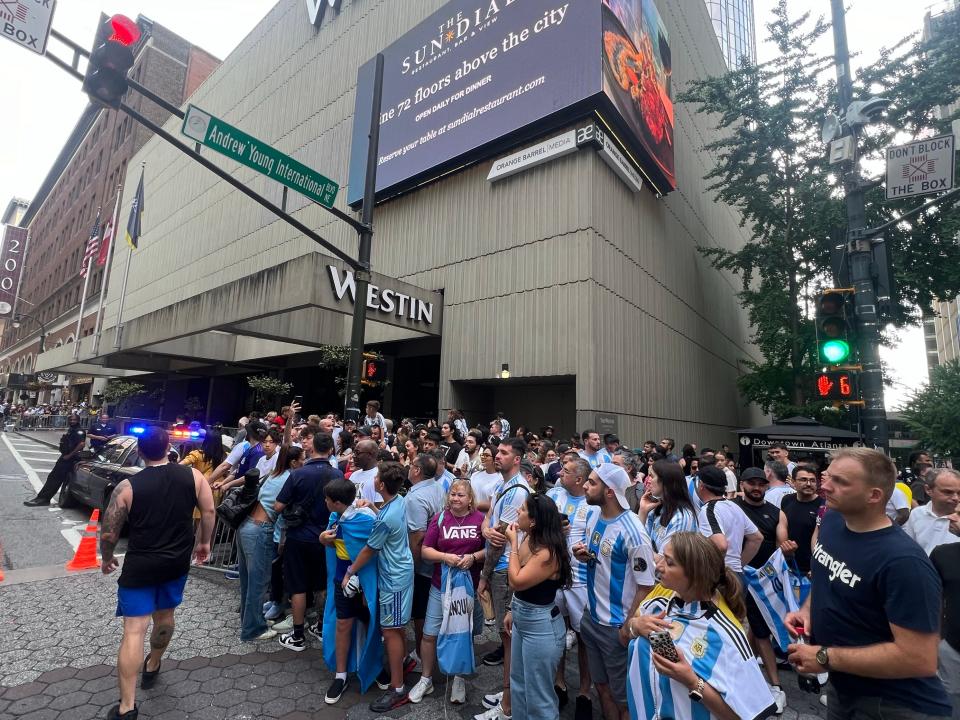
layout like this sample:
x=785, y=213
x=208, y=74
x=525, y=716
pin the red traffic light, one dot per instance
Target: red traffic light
x=125, y=31
x=374, y=370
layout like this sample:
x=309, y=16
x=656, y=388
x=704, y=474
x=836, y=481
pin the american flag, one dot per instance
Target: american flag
x=93, y=247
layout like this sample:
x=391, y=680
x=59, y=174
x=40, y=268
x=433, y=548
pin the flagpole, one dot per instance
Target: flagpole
x=106, y=269
x=118, y=338
x=83, y=294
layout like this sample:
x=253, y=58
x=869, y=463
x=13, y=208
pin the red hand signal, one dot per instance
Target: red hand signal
x=824, y=386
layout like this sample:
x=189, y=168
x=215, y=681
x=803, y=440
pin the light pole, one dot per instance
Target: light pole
x=18, y=320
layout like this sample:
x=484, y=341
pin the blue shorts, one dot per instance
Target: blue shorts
x=395, y=608
x=140, y=601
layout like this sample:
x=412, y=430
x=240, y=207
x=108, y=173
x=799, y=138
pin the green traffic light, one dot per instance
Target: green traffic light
x=835, y=351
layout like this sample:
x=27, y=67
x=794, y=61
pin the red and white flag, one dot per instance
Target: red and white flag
x=105, y=243
x=93, y=247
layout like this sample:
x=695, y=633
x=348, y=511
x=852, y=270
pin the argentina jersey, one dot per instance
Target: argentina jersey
x=624, y=560
x=772, y=589
x=692, y=488
x=578, y=514
x=682, y=521
x=597, y=460
x=715, y=645
x=507, y=499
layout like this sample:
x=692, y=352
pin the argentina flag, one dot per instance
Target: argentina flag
x=771, y=587
x=455, y=641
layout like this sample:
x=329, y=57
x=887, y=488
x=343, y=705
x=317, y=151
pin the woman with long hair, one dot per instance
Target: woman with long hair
x=539, y=566
x=689, y=649
x=257, y=550
x=666, y=507
x=411, y=448
x=206, y=459
x=454, y=538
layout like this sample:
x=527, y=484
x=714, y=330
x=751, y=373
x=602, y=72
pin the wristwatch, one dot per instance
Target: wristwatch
x=697, y=693
x=823, y=657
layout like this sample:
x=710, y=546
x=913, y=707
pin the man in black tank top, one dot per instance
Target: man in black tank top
x=157, y=504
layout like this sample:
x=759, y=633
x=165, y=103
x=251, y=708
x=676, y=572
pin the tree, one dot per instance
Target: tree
x=772, y=166
x=933, y=412
x=267, y=390
x=117, y=392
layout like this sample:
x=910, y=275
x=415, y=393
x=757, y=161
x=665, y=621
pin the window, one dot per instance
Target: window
x=114, y=449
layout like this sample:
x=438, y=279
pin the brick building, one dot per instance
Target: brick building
x=84, y=177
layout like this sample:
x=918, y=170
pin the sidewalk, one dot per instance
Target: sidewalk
x=59, y=638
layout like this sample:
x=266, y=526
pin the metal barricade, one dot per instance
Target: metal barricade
x=223, y=551
x=49, y=422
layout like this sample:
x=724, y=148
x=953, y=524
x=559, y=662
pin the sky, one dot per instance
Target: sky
x=43, y=103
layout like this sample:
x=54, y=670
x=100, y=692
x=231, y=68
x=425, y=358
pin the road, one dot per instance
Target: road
x=59, y=636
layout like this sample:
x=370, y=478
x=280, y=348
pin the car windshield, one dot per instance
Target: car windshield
x=113, y=450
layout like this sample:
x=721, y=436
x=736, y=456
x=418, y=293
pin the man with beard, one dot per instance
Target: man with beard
x=592, y=451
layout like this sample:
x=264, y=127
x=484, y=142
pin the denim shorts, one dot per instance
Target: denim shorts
x=431, y=625
x=140, y=601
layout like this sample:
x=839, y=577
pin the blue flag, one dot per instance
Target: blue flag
x=366, y=650
x=136, y=211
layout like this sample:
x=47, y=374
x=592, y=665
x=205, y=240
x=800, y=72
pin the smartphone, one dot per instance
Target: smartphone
x=662, y=644
x=297, y=399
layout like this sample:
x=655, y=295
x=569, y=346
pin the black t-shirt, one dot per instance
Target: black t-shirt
x=304, y=481
x=766, y=517
x=946, y=559
x=861, y=584
x=70, y=439
x=452, y=449
x=801, y=522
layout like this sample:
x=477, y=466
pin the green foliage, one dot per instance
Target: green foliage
x=771, y=165
x=933, y=412
x=267, y=390
x=117, y=392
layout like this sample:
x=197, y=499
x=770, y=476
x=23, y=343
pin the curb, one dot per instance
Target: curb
x=35, y=439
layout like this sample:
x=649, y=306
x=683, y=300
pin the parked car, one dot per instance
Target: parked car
x=98, y=473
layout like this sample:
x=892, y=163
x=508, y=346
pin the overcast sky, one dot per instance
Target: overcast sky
x=43, y=103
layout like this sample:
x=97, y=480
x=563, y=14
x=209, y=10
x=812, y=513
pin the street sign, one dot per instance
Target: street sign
x=217, y=135
x=921, y=167
x=27, y=22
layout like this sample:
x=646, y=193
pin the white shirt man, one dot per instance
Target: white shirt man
x=929, y=524
x=722, y=520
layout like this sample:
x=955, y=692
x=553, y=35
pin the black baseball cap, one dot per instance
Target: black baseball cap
x=754, y=473
x=713, y=478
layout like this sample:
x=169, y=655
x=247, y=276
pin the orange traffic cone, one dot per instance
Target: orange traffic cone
x=86, y=556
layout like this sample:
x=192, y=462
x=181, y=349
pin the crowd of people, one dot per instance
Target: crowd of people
x=685, y=588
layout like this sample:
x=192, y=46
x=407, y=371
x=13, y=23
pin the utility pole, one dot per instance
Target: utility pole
x=860, y=255
x=362, y=275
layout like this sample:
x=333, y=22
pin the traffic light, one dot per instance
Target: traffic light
x=110, y=61
x=374, y=371
x=834, y=327
x=837, y=385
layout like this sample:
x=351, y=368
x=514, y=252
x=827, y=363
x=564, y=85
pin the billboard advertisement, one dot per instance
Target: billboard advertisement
x=11, y=266
x=478, y=75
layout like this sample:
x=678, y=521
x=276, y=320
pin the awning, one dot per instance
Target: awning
x=291, y=308
x=797, y=433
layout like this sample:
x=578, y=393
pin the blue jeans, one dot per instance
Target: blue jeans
x=536, y=648
x=255, y=542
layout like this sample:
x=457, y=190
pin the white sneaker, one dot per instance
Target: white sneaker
x=458, y=691
x=492, y=700
x=493, y=714
x=285, y=625
x=779, y=697
x=823, y=699
x=571, y=639
x=423, y=687
x=267, y=634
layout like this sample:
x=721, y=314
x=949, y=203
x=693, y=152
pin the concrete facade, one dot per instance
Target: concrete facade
x=597, y=298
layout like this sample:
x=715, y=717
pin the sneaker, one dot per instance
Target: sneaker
x=584, y=708
x=423, y=687
x=285, y=625
x=383, y=679
x=779, y=697
x=571, y=639
x=496, y=713
x=823, y=699
x=232, y=574
x=411, y=664
x=494, y=657
x=335, y=691
x=42, y=502
x=390, y=700
x=267, y=634
x=267, y=605
x=292, y=643
x=563, y=697
x=316, y=631
x=274, y=613
x=492, y=700
x=115, y=713
x=458, y=690
x=148, y=677
x=235, y=567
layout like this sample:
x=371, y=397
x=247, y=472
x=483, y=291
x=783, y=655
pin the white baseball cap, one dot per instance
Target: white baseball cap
x=615, y=478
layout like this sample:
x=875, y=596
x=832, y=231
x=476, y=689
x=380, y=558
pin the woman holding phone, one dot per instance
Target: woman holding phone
x=665, y=508
x=689, y=650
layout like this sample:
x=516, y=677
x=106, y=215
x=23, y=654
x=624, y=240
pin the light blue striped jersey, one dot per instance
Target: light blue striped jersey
x=597, y=460
x=578, y=514
x=624, y=560
x=682, y=521
x=507, y=498
x=717, y=648
x=692, y=488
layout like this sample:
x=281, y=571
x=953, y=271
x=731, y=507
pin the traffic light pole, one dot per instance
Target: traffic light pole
x=860, y=257
x=351, y=409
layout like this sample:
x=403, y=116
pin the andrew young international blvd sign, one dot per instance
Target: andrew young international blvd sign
x=215, y=134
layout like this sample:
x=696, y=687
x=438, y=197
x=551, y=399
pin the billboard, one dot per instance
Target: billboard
x=11, y=266
x=478, y=75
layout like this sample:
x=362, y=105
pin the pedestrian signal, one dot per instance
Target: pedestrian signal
x=374, y=370
x=837, y=385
